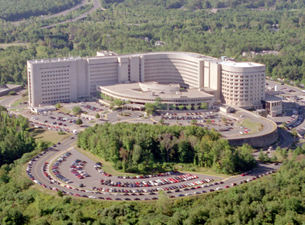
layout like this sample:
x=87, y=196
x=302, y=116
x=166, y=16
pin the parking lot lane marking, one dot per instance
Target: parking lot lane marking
x=230, y=178
x=153, y=120
x=71, y=148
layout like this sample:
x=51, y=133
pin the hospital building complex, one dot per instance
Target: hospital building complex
x=178, y=78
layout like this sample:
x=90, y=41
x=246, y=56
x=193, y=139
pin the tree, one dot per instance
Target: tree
x=294, y=133
x=97, y=116
x=261, y=156
x=208, y=121
x=78, y=121
x=168, y=141
x=196, y=107
x=118, y=102
x=194, y=122
x=158, y=102
x=58, y=105
x=204, y=105
x=77, y=110
x=189, y=107
x=181, y=107
x=59, y=193
x=124, y=155
x=161, y=121
x=150, y=108
x=12, y=93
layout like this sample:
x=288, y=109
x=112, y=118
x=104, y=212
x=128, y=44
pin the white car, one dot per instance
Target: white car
x=91, y=196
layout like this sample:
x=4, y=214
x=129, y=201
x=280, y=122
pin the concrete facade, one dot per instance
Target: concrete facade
x=68, y=79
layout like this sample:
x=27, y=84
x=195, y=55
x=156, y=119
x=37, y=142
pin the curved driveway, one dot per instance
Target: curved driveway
x=93, y=181
x=96, y=5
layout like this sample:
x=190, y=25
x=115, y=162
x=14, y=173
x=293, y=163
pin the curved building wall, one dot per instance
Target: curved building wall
x=243, y=84
x=172, y=68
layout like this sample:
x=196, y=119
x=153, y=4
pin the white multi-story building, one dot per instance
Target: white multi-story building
x=68, y=79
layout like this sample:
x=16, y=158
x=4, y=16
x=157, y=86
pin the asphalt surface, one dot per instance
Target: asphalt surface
x=96, y=5
x=8, y=101
x=93, y=181
x=65, y=12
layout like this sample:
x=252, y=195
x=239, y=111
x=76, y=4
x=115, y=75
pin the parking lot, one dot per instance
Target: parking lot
x=95, y=183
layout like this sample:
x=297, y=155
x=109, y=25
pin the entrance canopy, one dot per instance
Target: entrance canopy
x=134, y=106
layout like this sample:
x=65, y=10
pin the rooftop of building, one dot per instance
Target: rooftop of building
x=241, y=64
x=133, y=90
x=272, y=98
x=114, y=55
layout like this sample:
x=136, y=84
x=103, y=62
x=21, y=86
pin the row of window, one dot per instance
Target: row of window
x=244, y=100
x=57, y=93
x=59, y=82
x=243, y=76
x=60, y=78
x=62, y=87
x=56, y=97
x=56, y=75
x=55, y=71
x=59, y=100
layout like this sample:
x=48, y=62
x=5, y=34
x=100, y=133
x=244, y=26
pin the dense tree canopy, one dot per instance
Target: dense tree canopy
x=138, y=147
x=273, y=199
x=15, y=9
x=14, y=138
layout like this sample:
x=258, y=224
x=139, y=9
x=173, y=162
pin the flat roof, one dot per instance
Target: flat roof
x=241, y=64
x=272, y=98
x=71, y=58
x=133, y=90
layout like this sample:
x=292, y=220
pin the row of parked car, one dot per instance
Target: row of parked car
x=55, y=168
x=150, y=183
x=297, y=123
x=77, y=168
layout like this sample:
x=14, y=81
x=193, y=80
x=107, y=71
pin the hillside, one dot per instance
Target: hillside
x=273, y=199
x=15, y=9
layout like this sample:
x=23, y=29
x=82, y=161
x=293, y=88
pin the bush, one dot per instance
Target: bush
x=77, y=110
x=59, y=193
x=78, y=121
x=12, y=93
x=61, y=133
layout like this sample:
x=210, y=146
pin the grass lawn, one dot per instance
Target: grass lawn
x=17, y=109
x=106, y=166
x=253, y=126
x=48, y=135
x=21, y=100
x=64, y=110
x=208, y=172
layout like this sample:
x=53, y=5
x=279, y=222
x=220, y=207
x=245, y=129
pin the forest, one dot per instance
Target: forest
x=15, y=140
x=273, y=199
x=143, y=147
x=276, y=26
x=16, y=10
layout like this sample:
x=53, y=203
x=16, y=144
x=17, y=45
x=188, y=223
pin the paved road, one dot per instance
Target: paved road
x=93, y=181
x=268, y=125
x=65, y=12
x=96, y=5
x=9, y=100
